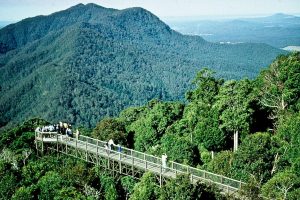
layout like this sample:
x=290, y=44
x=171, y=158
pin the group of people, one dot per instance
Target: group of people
x=65, y=128
x=61, y=128
x=49, y=128
x=109, y=144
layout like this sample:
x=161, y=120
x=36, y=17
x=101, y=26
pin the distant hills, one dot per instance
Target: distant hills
x=279, y=30
x=87, y=62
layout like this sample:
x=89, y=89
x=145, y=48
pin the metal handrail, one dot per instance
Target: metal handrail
x=174, y=167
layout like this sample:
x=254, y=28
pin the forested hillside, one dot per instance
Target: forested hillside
x=264, y=112
x=87, y=62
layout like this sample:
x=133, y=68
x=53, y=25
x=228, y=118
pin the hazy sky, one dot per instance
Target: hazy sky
x=14, y=10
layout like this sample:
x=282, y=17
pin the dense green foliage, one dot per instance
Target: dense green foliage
x=267, y=158
x=268, y=155
x=88, y=62
x=111, y=128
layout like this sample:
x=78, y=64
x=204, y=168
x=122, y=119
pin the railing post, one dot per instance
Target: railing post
x=57, y=143
x=227, y=189
x=120, y=166
x=174, y=168
x=76, y=148
x=160, y=176
x=145, y=161
x=240, y=185
x=67, y=145
x=113, y=168
x=120, y=156
x=108, y=161
x=132, y=168
x=42, y=144
x=86, y=153
x=35, y=134
x=97, y=153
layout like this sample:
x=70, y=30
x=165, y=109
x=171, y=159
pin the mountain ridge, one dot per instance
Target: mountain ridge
x=88, y=62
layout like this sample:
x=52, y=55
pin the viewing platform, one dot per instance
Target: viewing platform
x=128, y=161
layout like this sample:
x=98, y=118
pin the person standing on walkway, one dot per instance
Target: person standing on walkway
x=119, y=150
x=164, y=161
x=110, y=142
x=106, y=148
x=65, y=127
x=77, y=134
x=38, y=129
x=60, y=128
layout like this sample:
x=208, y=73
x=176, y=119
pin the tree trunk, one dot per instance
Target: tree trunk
x=235, y=140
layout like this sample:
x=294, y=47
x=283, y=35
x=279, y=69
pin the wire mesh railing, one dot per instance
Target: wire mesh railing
x=149, y=161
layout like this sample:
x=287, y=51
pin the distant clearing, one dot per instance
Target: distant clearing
x=292, y=48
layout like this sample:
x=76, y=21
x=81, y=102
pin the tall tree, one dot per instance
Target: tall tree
x=281, y=185
x=146, y=189
x=149, y=128
x=179, y=149
x=254, y=158
x=207, y=87
x=233, y=102
x=109, y=187
x=110, y=128
x=49, y=185
x=208, y=133
x=179, y=189
x=288, y=132
x=280, y=84
x=128, y=184
x=199, y=114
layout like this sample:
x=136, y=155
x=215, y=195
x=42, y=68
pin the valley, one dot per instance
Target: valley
x=279, y=30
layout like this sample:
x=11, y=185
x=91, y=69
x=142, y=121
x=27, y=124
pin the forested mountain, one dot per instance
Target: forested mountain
x=87, y=62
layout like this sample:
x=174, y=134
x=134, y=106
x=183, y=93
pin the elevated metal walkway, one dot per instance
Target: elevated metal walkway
x=128, y=161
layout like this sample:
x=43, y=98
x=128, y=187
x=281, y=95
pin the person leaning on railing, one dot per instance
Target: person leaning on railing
x=110, y=143
x=119, y=150
x=106, y=148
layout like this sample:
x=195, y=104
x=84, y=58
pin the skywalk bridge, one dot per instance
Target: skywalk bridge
x=128, y=161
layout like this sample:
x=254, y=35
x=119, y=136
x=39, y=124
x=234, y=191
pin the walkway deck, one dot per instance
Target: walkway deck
x=92, y=150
